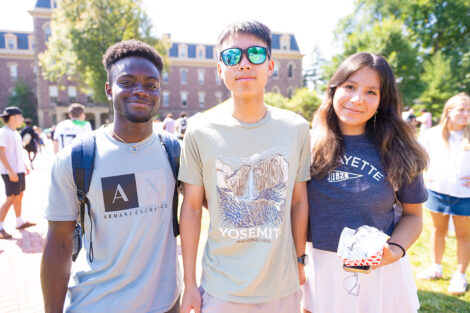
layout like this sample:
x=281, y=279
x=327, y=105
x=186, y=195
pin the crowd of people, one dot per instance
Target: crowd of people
x=281, y=195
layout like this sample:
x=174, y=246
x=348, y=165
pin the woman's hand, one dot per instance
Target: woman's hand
x=390, y=255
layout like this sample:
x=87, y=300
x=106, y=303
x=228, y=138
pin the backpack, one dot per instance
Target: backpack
x=83, y=158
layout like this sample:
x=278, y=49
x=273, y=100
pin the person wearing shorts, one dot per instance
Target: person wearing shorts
x=12, y=168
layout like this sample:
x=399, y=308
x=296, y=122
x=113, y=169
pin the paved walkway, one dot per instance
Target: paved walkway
x=20, y=257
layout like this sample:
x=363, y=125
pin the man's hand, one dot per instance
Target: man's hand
x=27, y=170
x=302, y=277
x=192, y=300
x=13, y=177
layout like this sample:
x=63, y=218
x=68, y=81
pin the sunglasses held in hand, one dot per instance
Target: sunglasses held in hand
x=233, y=56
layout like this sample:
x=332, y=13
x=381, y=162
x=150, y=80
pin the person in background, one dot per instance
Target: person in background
x=30, y=140
x=425, y=119
x=12, y=168
x=169, y=124
x=448, y=184
x=181, y=125
x=364, y=157
x=71, y=128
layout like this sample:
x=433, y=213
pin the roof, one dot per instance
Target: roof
x=22, y=40
x=45, y=4
x=276, y=44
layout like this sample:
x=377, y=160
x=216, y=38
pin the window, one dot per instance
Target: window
x=184, y=77
x=13, y=71
x=47, y=32
x=72, y=94
x=275, y=89
x=200, y=77
x=11, y=43
x=184, y=98
x=202, y=99
x=165, y=76
x=218, y=97
x=89, y=97
x=276, y=70
x=35, y=71
x=290, y=92
x=290, y=71
x=182, y=51
x=285, y=42
x=53, y=94
x=218, y=81
x=166, y=99
x=200, y=50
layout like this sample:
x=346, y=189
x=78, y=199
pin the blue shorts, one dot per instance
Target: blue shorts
x=445, y=204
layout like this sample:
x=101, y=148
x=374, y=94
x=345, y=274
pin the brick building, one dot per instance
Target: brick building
x=190, y=85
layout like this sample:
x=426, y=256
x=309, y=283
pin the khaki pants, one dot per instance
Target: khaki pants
x=289, y=304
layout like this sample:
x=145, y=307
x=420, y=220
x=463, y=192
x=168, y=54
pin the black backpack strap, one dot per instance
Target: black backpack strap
x=173, y=150
x=83, y=159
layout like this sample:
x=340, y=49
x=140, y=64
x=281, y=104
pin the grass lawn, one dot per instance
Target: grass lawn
x=433, y=294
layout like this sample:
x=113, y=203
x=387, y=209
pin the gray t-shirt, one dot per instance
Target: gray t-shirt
x=354, y=194
x=135, y=267
x=248, y=172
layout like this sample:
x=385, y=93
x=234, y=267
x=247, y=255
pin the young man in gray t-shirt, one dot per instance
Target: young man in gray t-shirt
x=129, y=232
x=251, y=161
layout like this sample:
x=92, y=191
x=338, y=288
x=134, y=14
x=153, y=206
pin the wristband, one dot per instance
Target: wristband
x=399, y=246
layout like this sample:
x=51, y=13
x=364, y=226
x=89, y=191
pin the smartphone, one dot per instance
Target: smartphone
x=357, y=268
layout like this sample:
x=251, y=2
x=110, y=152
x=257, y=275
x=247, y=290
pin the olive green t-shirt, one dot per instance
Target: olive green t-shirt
x=248, y=172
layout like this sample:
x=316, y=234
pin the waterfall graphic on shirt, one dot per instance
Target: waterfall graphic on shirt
x=254, y=194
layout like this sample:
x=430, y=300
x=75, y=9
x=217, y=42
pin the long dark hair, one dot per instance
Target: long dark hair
x=400, y=153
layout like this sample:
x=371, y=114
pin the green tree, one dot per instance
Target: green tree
x=440, y=83
x=386, y=38
x=82, y=30
x=304, y=101
x=23, y=97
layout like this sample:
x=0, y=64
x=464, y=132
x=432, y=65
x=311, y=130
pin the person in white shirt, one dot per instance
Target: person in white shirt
x=12, y=168
x=448, y=184
x=69, y=129
x=169, y=123
x=425, y=119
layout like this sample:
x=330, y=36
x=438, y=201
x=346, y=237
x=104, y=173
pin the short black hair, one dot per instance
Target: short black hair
x=28, y=122
x=251, y=27
x=131, y=48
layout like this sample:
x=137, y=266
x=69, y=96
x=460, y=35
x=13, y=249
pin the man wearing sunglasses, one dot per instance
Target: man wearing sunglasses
x=251, y=162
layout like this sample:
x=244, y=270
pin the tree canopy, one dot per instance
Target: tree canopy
x=82, y=30
x=425, y=42
x=23, y=97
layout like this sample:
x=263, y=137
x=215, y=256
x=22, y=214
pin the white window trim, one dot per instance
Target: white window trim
x=200, y=49
x=276, y=65
x=166, y=94
x=185, y=93
x=203, y=73
x=181, y=76
x=183, y=51
x=203, y=94
x=284, y=41
x=10, y=65
x=8, y=37
x=167, y=77
x=293, y=70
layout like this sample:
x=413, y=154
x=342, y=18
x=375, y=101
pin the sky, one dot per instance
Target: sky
x=311, y=21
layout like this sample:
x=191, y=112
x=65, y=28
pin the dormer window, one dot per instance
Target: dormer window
x=183, y=51
x=200, y=52
x=10, y=41
x=285, y=42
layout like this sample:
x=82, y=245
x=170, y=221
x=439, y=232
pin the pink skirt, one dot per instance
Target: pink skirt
x=330, y=289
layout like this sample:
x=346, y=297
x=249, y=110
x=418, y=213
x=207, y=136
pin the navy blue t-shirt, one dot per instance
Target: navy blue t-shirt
x=356, y=193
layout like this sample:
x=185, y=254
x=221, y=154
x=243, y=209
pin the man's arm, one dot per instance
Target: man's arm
x=299, y=217
x=55, y=265
x=3, y=158
x=56, y=146
x=190, y=226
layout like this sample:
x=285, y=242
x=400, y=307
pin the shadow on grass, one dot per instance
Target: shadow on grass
x=435, y=302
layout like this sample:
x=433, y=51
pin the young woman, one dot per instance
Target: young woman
x=364, y=158
x=448, y=183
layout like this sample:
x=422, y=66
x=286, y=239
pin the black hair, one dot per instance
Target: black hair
x=28, y=122
x=252, y=27
x=131, y=48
